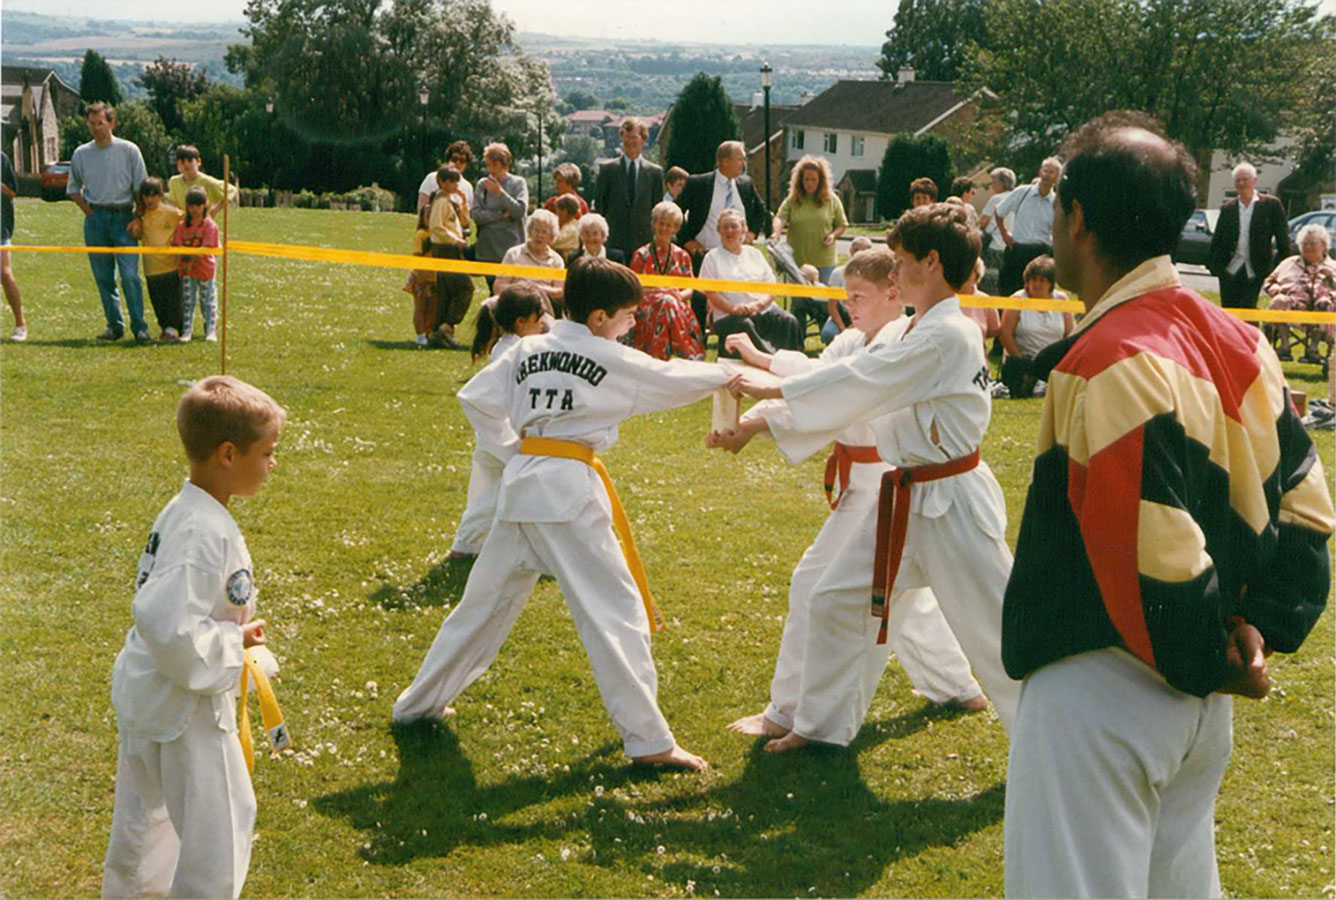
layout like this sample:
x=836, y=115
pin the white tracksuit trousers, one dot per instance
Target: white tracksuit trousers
x=484, y=488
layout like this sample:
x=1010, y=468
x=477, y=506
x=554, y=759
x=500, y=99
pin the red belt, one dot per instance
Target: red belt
x=841, y=461
x=892, y=520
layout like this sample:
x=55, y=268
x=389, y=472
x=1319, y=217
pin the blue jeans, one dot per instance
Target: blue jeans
x=106, y=228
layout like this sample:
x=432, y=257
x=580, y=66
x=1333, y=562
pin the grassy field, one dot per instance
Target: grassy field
x=526, y=793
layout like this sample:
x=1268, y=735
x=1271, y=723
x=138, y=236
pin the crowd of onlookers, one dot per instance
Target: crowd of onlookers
x=671, y=223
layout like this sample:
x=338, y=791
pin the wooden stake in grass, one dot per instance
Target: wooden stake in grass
x=227, y=203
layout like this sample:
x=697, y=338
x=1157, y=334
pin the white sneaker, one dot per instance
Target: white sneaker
x=211, y=337
x=420, y=340
x=20, y=334
x=999, y=391
x=186, y=336
x=169, y=336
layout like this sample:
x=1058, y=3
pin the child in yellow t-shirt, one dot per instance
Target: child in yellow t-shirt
x=157, y=221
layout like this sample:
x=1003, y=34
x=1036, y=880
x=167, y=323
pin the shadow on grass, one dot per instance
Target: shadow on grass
x=79, y=343
x=381, y=344
x=442, y=585
x=788, y=826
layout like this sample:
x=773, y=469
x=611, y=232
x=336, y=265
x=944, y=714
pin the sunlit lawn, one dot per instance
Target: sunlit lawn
x=526, y=793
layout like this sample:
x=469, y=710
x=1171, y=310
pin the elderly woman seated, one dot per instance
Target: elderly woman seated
x=770, y=327
x=1306, y=281
x=665, y=324
x=594, y=239
x=537, y=251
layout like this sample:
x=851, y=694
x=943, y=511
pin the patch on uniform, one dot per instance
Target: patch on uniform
x=240, y=587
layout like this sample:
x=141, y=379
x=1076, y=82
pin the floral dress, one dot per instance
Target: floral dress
x=666, y=327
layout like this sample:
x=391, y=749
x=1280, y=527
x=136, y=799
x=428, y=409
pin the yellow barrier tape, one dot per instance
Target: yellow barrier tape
x=468, y=267
x=129, y=251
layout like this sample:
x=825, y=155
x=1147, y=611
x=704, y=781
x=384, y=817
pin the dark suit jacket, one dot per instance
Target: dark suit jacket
x=614, y=254
x=628, y=223
x=1268, y=222
x=695, y=202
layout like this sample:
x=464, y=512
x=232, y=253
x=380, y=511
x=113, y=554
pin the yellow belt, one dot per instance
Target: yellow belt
x=270, y=714
x=537, y=446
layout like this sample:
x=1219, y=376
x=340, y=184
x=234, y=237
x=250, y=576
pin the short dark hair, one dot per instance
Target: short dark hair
x=445, y=173
x=459, y=148
x=197, y=196
x=187, y=151
x=99, y=107
x=568, y=204
x=151, y=187
x=593, y=282
x=960, y=185
x=1041, y=267
x=943, y=227
x=518, y=300
x=923, y=186
x=1135, y=194
x=676, y=173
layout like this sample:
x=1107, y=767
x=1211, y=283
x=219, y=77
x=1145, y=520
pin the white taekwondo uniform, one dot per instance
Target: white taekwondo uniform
x=919, y=635
x=484, y=481
x=553, y=517
x=184, y=809
x=924, y=397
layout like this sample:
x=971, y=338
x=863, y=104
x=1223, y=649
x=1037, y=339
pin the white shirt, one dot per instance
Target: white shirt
x=1241, y=252
x=1034, y=214
x=195, y=591
x=1036, y=329
x=709, y=232
x=571, y=385
x=748, y=265
x=430, y=186
x=925, y=399
x=798, y=445
x=990, y=210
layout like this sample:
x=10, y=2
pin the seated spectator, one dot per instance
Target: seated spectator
x=594, y=238
x=537, y=251
x=810, y=308
x=1305, y=281
x=566, y=177
x=673, y=181
x=837, y=316
x=665, y=325
x=567, y=209
x=988, y=320
x=770, y=327
x=922, y=191
x=1025, y=332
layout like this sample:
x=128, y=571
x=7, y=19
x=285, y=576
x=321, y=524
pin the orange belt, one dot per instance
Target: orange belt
x=538, y=446
x=893, y=519
x=838, y=465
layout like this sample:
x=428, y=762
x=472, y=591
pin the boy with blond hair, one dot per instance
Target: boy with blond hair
x=184, y=809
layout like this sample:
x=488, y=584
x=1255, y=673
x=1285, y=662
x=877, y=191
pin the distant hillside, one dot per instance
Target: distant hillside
x=646, y=74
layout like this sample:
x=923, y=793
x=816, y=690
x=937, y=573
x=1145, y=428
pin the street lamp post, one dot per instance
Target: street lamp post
x=539, y=116
x=423, y=97
x=765, y=88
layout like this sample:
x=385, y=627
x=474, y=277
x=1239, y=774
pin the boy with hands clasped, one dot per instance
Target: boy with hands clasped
x=184, y=809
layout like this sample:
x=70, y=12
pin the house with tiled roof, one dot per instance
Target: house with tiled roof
x=32, y=102
x=852, y=122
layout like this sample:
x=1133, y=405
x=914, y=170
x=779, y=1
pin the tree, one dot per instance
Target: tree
x=1226, y=74
x=581, y=100
x=97, y=83
x=170, y=84
x=933, y=37
x=909, y=157
x=702, y=118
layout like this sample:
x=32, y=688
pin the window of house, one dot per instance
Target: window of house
x=832, y=142
x=856, y=145
x=798, y=139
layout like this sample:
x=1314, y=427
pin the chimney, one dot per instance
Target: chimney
x=756, y=99
x=904, y=76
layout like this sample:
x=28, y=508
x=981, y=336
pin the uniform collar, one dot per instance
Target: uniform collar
x=571, y=327
x=198, y=495
x=1154, y=274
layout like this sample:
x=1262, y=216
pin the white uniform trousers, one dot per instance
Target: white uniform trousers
x=484, y=487
x=965, y=568
x=1111, y=782
x=609, y=616
x=184, y=815
x=918, y=634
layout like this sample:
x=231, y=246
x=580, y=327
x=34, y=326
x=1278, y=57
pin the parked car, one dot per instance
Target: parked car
x=1323, y=217
x=1194, y=245
x=55, y=178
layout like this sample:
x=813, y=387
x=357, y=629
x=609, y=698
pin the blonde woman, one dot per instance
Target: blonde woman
x=814, y=216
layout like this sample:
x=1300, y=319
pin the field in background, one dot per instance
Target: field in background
x=525, y=793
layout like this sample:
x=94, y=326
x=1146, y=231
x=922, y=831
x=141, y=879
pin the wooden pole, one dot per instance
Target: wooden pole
x=227, y=204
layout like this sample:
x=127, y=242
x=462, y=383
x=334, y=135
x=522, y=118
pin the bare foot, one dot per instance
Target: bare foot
x=790, y=741
x=757, y=726
x=977, y=703
x=676, y=758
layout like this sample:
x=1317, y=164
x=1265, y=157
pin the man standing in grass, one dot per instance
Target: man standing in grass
x=103, y=176
x=1175, y=534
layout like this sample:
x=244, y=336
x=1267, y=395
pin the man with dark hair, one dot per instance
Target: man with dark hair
x=922, y=191
x=1175, y=533
x=104, y=174
x=626, y=190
